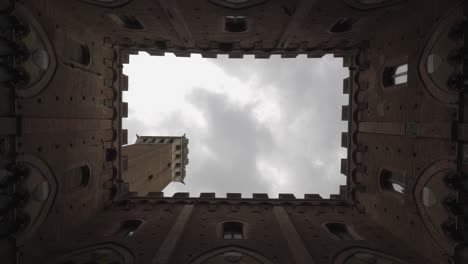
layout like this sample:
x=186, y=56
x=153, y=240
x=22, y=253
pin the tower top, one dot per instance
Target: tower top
x=179, y=152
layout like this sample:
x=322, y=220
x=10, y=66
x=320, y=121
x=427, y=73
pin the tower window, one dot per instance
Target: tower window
x=395, y=75
x=78, y=52
x=129, y=227
x=233, y=230
x=235, y=24
x=129, y=22
x=339, y=231
x=392, y=181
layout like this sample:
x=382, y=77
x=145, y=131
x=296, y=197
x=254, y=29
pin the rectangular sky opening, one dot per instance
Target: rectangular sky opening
x=254, y=125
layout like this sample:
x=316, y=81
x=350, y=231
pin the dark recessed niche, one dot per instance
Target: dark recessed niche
x=344, y=24
x=129, y=22
x=235, y=24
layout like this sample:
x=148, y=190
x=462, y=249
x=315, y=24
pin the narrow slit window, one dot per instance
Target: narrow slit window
x=233, y=230
x=392, y=181
x=395, y=75
x=339, y=231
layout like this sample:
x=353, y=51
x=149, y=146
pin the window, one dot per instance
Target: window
x=128, y=22
x=78, y=177
x=392, y=181
x=78, y=52
x=235, y=24
x=428, y=197
x=233, y=230
x=433, y=63
x=41, y=191
x=343, y=25
x=395, y=75
x=128, y=228
x=339, y=231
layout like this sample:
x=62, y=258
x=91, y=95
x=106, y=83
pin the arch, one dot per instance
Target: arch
x=433, y=176
x=359, y=255
x=373, y=4
x=237, y=4
x=108, y=3
x=210, y=255
x=110, y=252
x=42, y=185
x=43, y=59
x=430, y=58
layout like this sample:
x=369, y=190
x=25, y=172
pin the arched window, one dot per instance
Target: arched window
x=357, y=255
x=395, y=75
x=128, y=228
x=106, y=254
x=78, y=177
x=428, y=197
x=368, y=258
x=233, y=230
x=128, y=22
x=392, y=181
x=339, y=231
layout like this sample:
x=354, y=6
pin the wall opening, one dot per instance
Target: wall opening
x=129, y=227
x=395, y=75
x=255, y=126
x=78, y=52
x=235, y=24
x=233, y=230
x=78, y=177
x=339, y=231
x=392, y=181
x=128, y=22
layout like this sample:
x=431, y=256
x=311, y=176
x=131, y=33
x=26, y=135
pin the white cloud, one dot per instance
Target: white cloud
x=254, y=125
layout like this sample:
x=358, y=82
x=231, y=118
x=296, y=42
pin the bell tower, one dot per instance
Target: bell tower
x=152, y=163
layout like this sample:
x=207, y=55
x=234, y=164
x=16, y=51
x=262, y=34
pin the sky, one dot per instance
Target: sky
x=254, y=125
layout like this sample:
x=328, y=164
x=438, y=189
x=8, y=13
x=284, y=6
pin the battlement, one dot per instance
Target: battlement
x=238, y=196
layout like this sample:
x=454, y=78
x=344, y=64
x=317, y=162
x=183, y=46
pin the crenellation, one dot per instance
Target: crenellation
x=181, y=195
x=208, y=195
x=260, y=196
x=344, y=139
x=346, y=85
x=233, y=195
x=286, y=196
x=345, y=113
x=344, y=167
x=313, y=197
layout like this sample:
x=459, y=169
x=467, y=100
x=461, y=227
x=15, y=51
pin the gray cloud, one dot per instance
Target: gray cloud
x=303, y=148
